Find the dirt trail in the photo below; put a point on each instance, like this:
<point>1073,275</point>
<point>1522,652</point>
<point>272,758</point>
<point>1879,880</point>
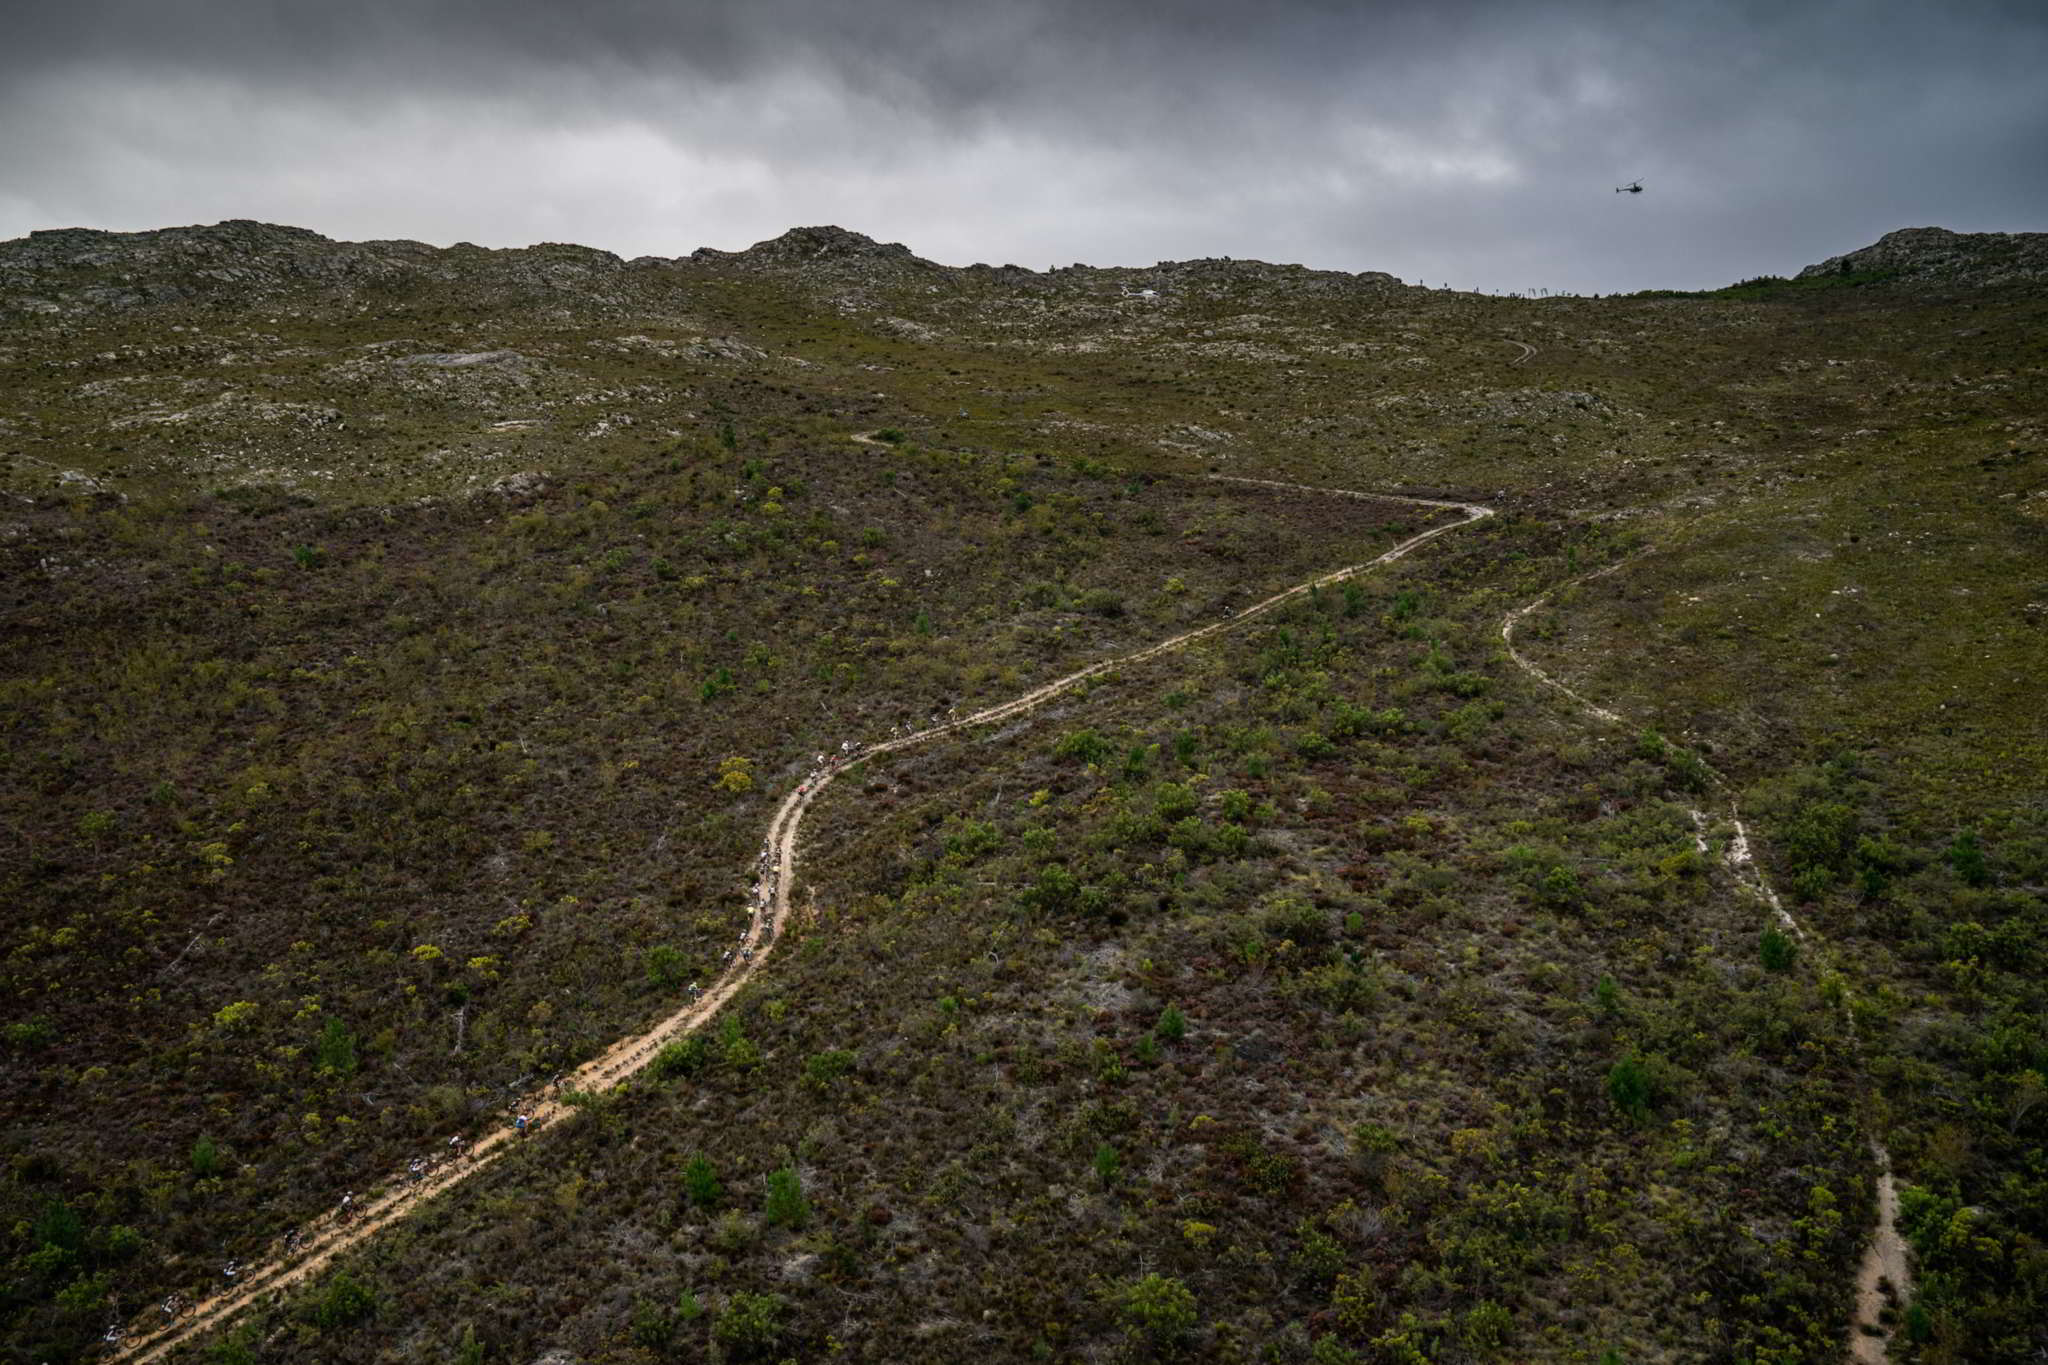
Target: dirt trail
<point>328,1237</point>
<point>1884,1265</point>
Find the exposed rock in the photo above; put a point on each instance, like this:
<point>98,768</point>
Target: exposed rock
<point>817,245</point>
<point>1932,253</point>
<point>461,359</point>
<point>524,484</point>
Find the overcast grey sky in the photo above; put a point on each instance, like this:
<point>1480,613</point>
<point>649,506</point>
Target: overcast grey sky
<point>1462,141</point>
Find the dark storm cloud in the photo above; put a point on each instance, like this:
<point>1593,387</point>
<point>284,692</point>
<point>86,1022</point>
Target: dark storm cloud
<point>1471,142</point>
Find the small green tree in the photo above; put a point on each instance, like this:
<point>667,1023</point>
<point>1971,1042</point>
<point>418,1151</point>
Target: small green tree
<point>334,1054</point>
<point>1629,1086</point>
<point>1108,1164</point>
<point>1173,1025</point>
<point>786,1204</point>
<point>471,1350</point>
<point>700,1183</point>
<point>1966,856</point>
<point>207,1160</point>
<point>1777,950</point>
<point>1607,995</point>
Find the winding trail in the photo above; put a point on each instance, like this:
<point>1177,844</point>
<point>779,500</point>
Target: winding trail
<point>1885,1266</point>
<point>328,1237</point>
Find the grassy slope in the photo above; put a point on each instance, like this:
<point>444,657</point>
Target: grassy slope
<point>1718,430</point>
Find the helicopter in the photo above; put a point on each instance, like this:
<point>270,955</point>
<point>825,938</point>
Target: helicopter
<point>1632,187</point>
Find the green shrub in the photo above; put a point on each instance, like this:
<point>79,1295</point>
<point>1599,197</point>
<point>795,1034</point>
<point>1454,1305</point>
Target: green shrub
<point>58,1225</point>
<point>653,1326</point>
<point>207,1160</point>
<point>1318,1257</point>
<point>1344,987</point>
<point>1055,890</point>
<point>743,1055</point>
<point>1291,917</point>
<point>1818,841</point>
<point>1777,950</point>
<point>24,1034</point>
<point>1354,1301</point>
<point>1173,800</point>
<point>1102,602</point>
<point>824,1068</point>
<point>1486,1326</point>
<point>750,1324</point>
<point>683,1057</point>
<point>1158,1308</point>
<point>1332,1351</point>
<point>1108,1164</point>
<point>1560,889</point>
<point>665,966</point>
<point>1085,745</point>
<point>1313,746</point>
<point>345,1302</point>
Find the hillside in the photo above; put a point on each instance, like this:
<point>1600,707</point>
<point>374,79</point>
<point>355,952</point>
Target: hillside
<point>410,649</point>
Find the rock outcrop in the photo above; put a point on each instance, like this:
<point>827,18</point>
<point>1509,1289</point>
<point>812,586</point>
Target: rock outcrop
<point>1938,255</point>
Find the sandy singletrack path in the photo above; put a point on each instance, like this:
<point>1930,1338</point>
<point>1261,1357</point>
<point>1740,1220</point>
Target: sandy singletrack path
<point>329,1237</point>
<point>1884,1261</point>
